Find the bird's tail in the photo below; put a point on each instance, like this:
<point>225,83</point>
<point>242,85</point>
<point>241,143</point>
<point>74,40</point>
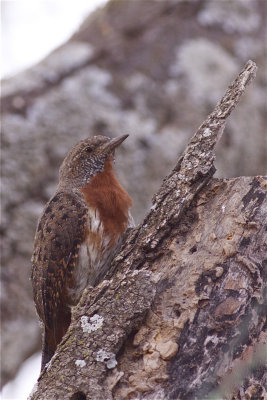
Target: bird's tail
<point>53,336</point>
<point>48,347</point>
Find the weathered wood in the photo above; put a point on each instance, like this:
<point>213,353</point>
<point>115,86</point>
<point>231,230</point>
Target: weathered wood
<point>193,170</point>
<point>208,311</point>
<point>153,69</point>
<point>188,280</point>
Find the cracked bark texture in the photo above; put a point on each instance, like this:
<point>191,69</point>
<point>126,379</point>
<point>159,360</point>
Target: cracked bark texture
<point>153,69</point>
<point>185,301</point>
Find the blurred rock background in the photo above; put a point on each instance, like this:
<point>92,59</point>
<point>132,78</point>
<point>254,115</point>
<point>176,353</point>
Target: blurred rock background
<point>153,69</point>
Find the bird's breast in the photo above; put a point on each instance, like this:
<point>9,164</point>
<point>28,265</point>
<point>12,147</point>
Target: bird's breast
<point>108,218</point>
<point>95,254</point>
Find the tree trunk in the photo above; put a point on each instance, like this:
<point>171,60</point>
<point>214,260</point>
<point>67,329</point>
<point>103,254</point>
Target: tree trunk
<point>182,313</point>
<point>153,69</point>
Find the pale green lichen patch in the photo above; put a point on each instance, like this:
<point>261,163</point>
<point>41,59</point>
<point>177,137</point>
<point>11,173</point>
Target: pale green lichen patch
<point>80,363</point>
<point>91,324</point>
<point>107,357</point>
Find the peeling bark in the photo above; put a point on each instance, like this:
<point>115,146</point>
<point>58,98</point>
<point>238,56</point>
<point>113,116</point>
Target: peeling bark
<point>209,301</point>
<point>183,302</point>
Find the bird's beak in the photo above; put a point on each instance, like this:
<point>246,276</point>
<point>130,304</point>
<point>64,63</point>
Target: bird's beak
<point>113,143</point>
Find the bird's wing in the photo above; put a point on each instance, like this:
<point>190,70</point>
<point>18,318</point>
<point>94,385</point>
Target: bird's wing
<point>60,231</point>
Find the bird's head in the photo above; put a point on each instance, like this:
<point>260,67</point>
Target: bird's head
<point>87,158</point>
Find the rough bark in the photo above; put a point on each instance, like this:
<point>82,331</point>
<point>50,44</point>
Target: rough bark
<point>151,69</point>
<point>184,302</point>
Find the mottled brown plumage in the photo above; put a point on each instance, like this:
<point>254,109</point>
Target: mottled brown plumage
<point>77,235</point>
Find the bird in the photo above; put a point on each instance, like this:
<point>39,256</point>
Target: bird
<point>78,233</point>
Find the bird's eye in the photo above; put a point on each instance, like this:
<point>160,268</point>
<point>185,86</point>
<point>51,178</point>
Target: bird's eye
<point>89,149</point>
